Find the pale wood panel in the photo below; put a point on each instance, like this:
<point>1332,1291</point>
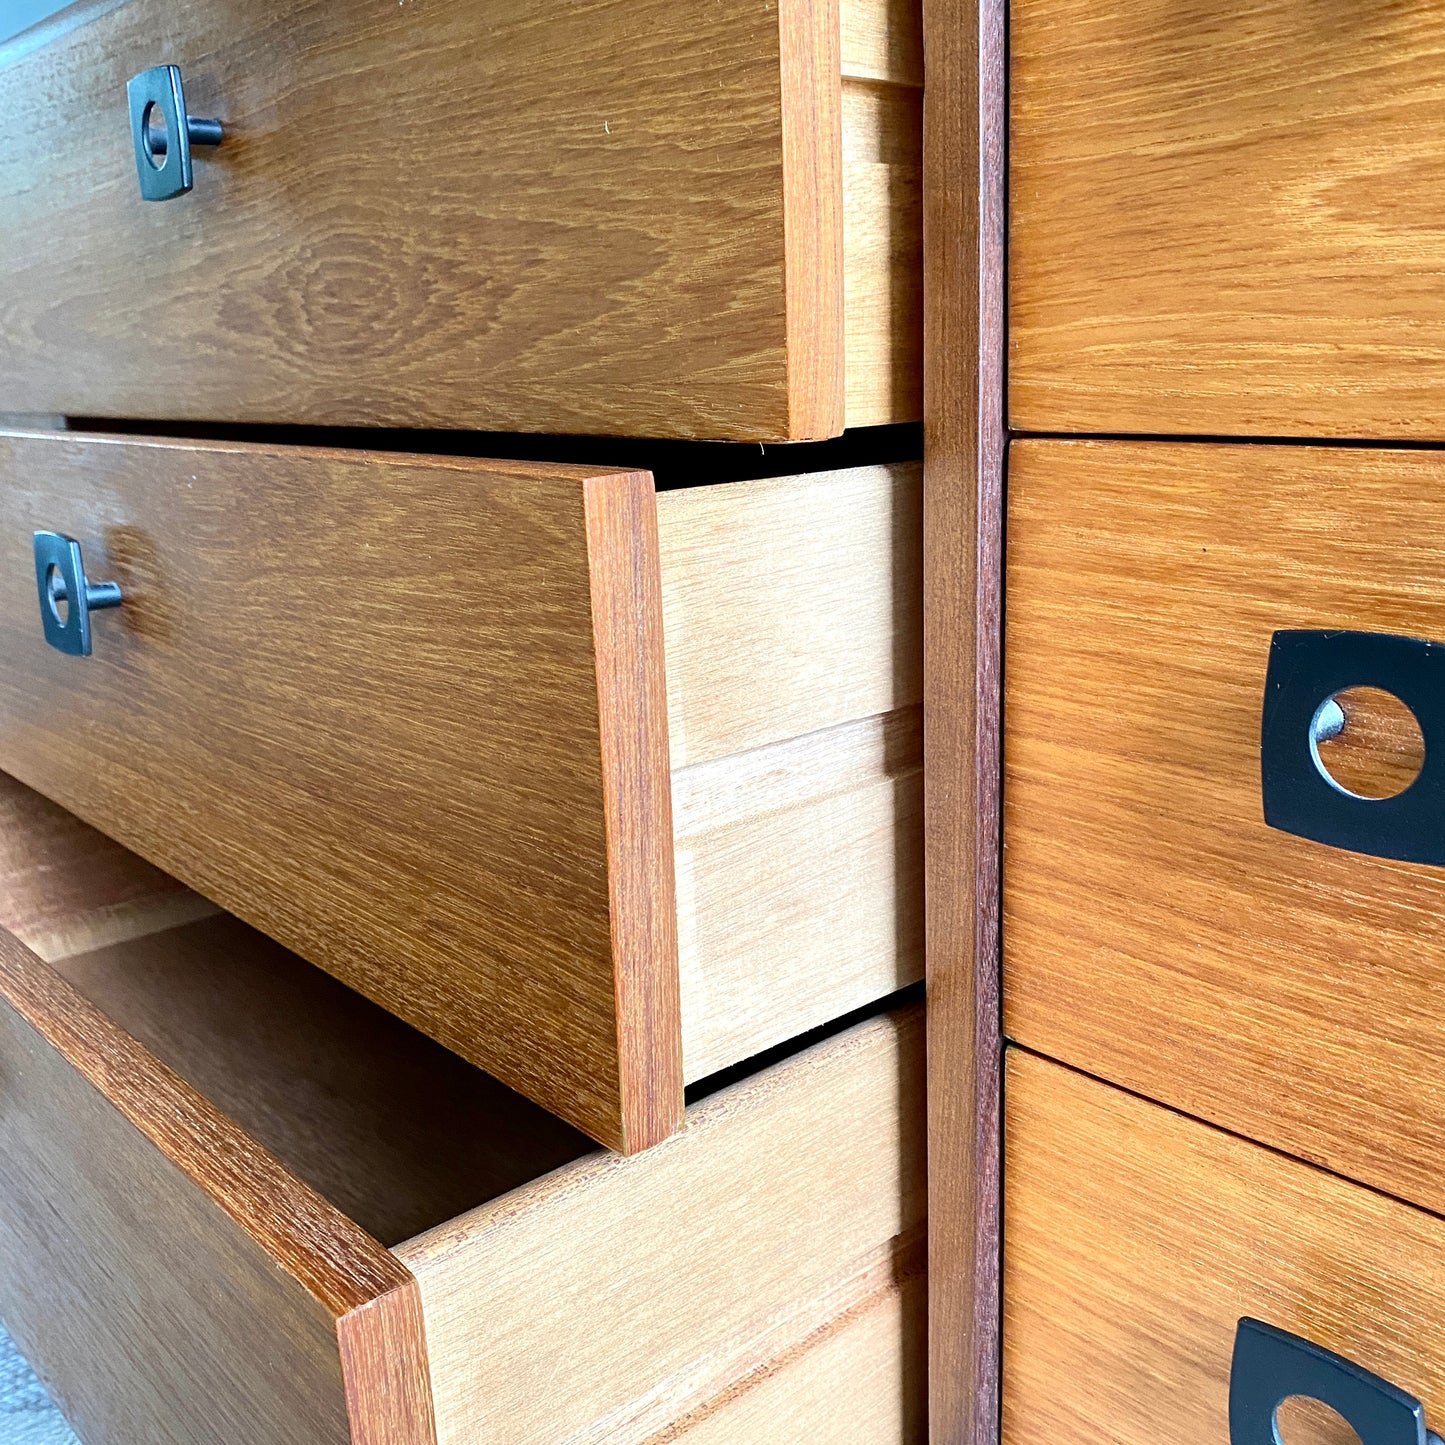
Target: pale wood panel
<point>64,888</point>
<point>882,40</point>
<point>883,252</point>
<point>1156,931</point>
<point>1225,219</point>
<point>418,218</point>
<point>413,729</point>
<point>743,786</point>
<point>1136,1239</point>
<point>863,1381</point>
<point>810,904</point>
<point>167,1277</point>
<point>789,604</point>
<point>758,1218</point>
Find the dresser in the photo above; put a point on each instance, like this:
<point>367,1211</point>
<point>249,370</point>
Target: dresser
<point>1211,1209</point>
<point>461,737</point>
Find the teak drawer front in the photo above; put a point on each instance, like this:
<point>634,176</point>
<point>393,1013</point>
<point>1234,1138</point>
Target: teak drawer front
<point>1136,1239</point>
<point>624,216</point>
<point>240,1202</point>
<point>410,716</point>
<point>1225,221</point>
<point>1156,931</point>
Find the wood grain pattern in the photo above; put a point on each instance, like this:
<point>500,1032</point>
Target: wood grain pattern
<point>65,889</point>
<point>864,1379</point>
<point>1224,221</point>
<point>779,1276</point>
<point>1379,751</point>
<point>421,216</point>
<point>200,1291</point>
<point>789,604</point>
<point>392,1129</point>
<point>812,124</point>
<point>801,1178</point>
<point>882,252</point>
<point>882,40</point>
<point>631,697</point>
<point>964,442</point>
<point>512,888</point>
<point>1137,1239</point>
<point>799,886</point>
<point>1157,933</point>
<point>377,732</point>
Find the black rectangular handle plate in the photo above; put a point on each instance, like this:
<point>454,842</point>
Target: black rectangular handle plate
<point>1306,668</point>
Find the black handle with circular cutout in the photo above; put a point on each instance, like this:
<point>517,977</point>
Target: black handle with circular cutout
<point>1306,670</point>
<point>163,133</point>
<point>60,578</point>
<point>1270,1365</point>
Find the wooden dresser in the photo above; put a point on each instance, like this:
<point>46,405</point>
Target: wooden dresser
<point>1223,718</point>
<point>461,858</point>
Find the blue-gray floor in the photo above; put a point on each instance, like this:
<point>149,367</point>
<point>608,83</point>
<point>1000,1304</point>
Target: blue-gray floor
<point>26,1416</point>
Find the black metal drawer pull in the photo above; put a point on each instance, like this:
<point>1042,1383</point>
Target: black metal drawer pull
<point>163,133</point>
<point>1306,670</point>
<point>60,578</point>
<point>1270,1365</point>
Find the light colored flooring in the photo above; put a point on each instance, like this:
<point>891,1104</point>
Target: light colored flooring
<point>26,1416</point>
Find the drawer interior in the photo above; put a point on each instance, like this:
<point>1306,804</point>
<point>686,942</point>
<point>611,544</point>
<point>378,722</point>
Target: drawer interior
<point>391,1128</point>
<point>785,1221</point>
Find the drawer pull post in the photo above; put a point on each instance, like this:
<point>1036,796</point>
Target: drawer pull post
<point>1270,1365</point>
<point>1307,669</point>
<point>163,133</point>
<point>60,577</point>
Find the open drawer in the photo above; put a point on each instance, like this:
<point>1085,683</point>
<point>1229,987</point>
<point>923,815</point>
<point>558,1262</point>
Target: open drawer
<point>632,217</point>
<point>240,1202</point>
<point>603,789</point>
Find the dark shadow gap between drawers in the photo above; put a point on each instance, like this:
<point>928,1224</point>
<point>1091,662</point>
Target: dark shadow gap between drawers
<point>673,464</point>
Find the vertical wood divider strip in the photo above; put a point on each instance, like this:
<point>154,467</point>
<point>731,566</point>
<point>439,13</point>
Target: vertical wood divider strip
<point>812,112</point>
<point>626,585</point>
<point>964,452</point>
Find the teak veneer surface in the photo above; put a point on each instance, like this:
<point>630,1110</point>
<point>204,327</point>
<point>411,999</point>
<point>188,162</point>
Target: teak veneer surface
<point>623,216</point>
<point>1224,219</point>
<point>1137,1238</point>
<point>1156,932</point>
<point>406,715</point>
<point>765,1264</point>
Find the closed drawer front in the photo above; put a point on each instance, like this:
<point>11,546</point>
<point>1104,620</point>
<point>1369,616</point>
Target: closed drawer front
<point>240,1202</point>
<point>1223,221</point>
<point>1137,1240</point>
<point>563,773</point>
<point>1281,980</point>
<point>445,216</point>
